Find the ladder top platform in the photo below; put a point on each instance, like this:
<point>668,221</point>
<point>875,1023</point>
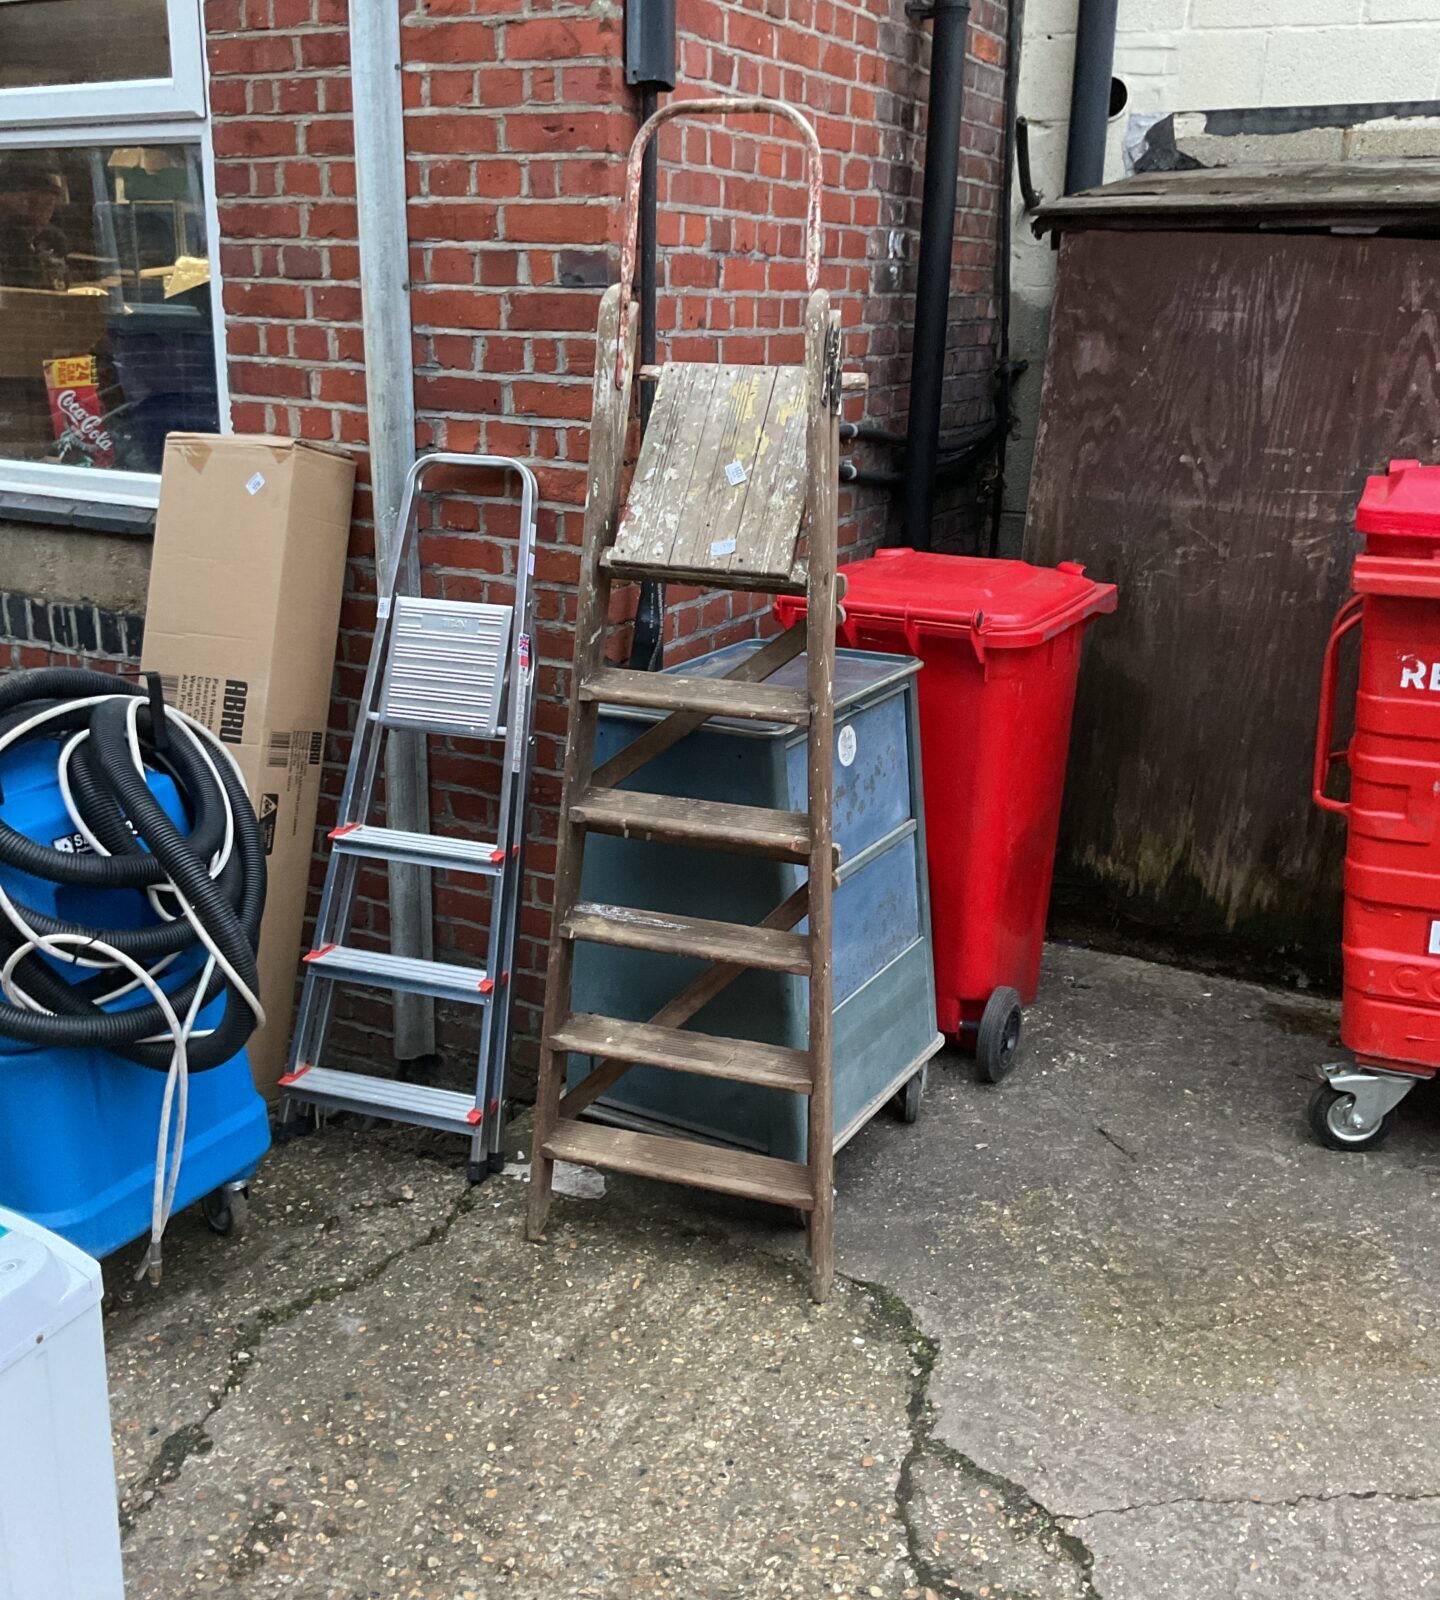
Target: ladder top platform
<point>719,491</point>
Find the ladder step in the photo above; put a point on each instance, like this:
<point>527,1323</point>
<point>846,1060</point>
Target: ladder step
<point>416,1103</point>
<point>442,979</point>
<point>709,824</point>
<point>705,1166</point>
<point>446,668</point>
<point>766,948</point>
<point>418,849</point>
<point>772,1066</point>
<point>717,697</point>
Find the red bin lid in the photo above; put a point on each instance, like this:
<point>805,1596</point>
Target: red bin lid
<point>1405,501</point>
<point>1017,604</point>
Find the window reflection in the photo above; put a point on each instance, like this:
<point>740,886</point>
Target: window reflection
<point>105,320</point>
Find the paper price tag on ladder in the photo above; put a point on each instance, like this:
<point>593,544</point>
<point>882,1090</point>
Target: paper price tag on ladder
<point>734,474</point>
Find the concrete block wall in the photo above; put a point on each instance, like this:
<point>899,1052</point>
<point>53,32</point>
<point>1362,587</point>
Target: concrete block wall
<point>1200,55</point>
<point>517,124</point>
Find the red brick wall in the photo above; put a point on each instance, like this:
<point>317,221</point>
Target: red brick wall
<point>517,122</point>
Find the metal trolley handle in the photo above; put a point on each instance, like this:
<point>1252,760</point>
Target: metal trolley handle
<point>1347,618</point>
<point>723,106</point>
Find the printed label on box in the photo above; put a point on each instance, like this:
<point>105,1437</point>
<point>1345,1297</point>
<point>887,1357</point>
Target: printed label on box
<point>254,484</point>
<point>847,745</point>
<point>269,810</point>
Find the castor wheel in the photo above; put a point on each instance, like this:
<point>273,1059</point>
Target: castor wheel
<point>997,1041</point>
<point>226,1210</point>
<point>1333,1121</point>
<point>907,1100</point>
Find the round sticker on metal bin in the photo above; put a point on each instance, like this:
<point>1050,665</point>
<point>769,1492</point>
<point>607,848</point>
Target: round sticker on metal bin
<point>847,745</point>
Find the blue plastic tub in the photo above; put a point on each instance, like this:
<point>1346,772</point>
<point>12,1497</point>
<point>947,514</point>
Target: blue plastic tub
<point>78,1128</point>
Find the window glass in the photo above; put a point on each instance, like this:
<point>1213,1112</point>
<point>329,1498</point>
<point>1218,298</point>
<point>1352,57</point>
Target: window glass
<point>105,316</point>
<point>50,43</point>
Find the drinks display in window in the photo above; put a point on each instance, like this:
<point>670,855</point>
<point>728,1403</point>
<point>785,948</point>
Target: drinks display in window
<point>106,340</point>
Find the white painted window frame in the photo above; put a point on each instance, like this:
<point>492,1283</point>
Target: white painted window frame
<point>170,110</point>
<point>182,94</point>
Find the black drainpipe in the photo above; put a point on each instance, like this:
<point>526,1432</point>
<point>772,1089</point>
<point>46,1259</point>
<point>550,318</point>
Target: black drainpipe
<point>1090,94</point>
<point>1005,369</point>
<point>649,66</point>
<point>932,283</point>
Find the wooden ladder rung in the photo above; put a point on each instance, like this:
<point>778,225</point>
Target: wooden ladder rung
<point>716,697</point>
<point>707,824</point>
<point>704,1166</point>
<point>771,1066</point>
<point>796,581</point>
<point>768,949</point>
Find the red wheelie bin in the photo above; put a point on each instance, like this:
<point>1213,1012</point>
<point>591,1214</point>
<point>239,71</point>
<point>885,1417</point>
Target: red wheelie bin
<point>1000,642</point>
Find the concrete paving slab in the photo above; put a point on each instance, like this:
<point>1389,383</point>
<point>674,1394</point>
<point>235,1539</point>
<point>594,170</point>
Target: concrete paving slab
<point>449,1411</point>
<point>1113,1329</point>
<point>1150,1289</point>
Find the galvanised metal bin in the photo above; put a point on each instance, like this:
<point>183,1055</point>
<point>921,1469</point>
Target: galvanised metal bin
<point>883,984</point>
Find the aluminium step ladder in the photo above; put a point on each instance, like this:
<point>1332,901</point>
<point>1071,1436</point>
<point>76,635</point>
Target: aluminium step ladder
<point>461,670</point>
<point>737,468</point>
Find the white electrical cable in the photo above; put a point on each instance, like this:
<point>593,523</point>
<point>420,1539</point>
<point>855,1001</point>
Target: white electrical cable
<point>66,947</point>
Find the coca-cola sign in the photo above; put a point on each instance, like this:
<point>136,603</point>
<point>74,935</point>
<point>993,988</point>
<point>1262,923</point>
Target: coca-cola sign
<point>78,413</point>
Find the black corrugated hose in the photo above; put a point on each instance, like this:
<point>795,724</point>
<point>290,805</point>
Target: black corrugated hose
<point>147,851</point>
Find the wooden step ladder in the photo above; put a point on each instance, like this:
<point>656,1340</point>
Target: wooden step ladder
<point>738,469</point>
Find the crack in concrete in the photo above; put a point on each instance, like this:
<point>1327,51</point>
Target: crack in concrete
<point>1018,1502</point>
<point>1249,1500</point>
<point>193,1439</point>
<point>1110,1138</point>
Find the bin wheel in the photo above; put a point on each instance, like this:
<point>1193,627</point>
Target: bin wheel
<point>907,1100</point>
<point>226,1210</point>
<point>997,1042</point>
<point>1330,1122</point>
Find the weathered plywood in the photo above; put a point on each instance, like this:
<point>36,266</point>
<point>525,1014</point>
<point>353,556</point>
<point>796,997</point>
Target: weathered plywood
<point>1212,405</point>
<point>719,489</point>
<point>1384,194</point>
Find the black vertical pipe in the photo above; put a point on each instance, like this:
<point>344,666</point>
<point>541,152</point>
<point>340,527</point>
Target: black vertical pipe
<point>647,642</point>
<point>1004,374</point>
<point>1090,94</point>
<point>932,284</point>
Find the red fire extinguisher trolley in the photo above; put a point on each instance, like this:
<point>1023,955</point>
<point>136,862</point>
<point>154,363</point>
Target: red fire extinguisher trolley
<point>1390,1018</point>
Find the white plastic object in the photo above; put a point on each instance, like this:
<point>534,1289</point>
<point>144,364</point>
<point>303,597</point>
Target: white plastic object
<point>59,1521</point>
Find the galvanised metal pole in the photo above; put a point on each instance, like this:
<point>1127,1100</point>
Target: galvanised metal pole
<point>932,281</point>
<point>390,402</point>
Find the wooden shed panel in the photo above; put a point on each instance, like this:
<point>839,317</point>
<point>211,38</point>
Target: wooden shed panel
<point>1212,406</point>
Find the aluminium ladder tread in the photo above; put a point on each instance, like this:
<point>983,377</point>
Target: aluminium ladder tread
<point>717,697</point>
<point>768,949</point>
<point>422,1104</point>
<point>419,849</point>
<point>445,980</point>
<point>704,1166</point>
<point>708,1055</point>
<point>708,824</point>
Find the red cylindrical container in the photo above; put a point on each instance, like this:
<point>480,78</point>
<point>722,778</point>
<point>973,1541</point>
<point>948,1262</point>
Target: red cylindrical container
<point>1391,1006</point>
<point>1000,642</point>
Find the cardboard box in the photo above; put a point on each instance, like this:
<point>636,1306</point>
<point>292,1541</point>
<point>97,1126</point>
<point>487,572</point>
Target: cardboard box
<point>244,609</point>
